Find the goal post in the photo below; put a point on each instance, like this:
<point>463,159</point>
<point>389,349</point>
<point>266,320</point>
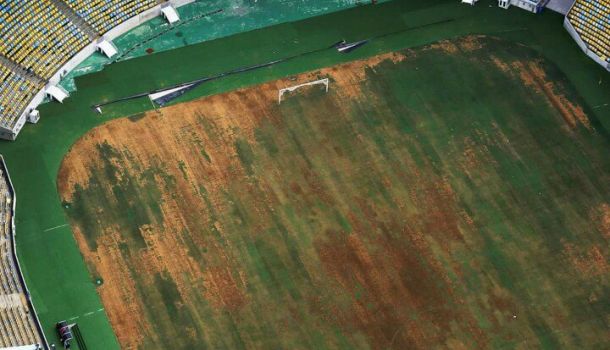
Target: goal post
<point>281,92</point>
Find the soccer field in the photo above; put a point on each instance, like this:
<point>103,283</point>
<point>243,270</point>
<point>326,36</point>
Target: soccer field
<point>62,287</point>
<point>411,205</point>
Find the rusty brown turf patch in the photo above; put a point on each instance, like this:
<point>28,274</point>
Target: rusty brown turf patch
<point>411,206</point>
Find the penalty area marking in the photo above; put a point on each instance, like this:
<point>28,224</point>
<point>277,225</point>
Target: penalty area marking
<point>292,88</point>
<point>55,228</point>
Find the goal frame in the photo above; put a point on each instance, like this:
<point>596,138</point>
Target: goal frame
<point>281,92</point>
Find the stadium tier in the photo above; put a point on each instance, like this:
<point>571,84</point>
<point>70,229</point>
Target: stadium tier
<point>18,326</point>
<point>591,21</point>
<point>37,36</point>
<point>40,40</point>
<point>15,93</point>
<point>104,15</point>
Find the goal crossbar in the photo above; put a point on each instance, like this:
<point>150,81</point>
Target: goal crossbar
<point>281,92</point>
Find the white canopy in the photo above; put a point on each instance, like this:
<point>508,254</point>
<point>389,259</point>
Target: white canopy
<point>170,14</point>
<point>163,93</point>
<point>57,93</point>
<point>107,48</point>
<point>33,116</point>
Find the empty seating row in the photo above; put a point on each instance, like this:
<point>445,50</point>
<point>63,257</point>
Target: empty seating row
<point>37,36</point>
<point>17,325</point>
<point>15,93</point>
<point>40,36</point>
<point>104,15</point>
<point>591,19</point>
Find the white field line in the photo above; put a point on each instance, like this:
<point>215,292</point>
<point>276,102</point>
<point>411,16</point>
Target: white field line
<point>86,314</point>
<point>54,228</point>
<point>93,312</point>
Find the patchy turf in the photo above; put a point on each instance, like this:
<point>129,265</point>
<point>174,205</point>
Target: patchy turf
<point>414,205</point>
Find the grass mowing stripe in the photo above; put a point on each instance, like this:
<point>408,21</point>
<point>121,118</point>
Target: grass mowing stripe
<point>42,147</point>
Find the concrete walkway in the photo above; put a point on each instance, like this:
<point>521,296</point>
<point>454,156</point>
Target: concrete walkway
<point>561,6</point>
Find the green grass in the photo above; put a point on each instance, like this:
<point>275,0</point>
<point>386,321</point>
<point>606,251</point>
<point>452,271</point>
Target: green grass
<point>58,279</point>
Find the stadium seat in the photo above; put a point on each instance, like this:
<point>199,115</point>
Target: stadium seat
<point>37,36</point>
<point>15,94</point>
<point>104,15</point>
<point>40,38</point>
<point>591,20</point>
<point>17,327</point>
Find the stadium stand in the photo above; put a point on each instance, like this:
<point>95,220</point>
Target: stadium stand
<point>104,15</point>
<point>18,325</point>
<point>15,93</point>
<point>37,36</point>
<point>590,19</point>
<point>41,40</point>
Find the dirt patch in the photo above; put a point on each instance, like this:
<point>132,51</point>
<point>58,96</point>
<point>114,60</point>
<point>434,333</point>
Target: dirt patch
<point>533,75</point>
<point>118,292</point>
<point>602,216</point>
<point>446,46</point>
<point>591,262</point>
<point>472,42</point>
<point>223,290</point>
<point>504,67</point>
<point>464,44</point>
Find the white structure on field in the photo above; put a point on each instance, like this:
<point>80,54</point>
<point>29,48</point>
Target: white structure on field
<point>56,93</point>
<point>170,14</point>
<point>281,92</point>
<point>534,6</point>
<point>107,48</point>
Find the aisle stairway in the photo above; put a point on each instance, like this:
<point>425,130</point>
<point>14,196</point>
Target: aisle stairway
<point>17,69</point>
<point>76,19</point>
